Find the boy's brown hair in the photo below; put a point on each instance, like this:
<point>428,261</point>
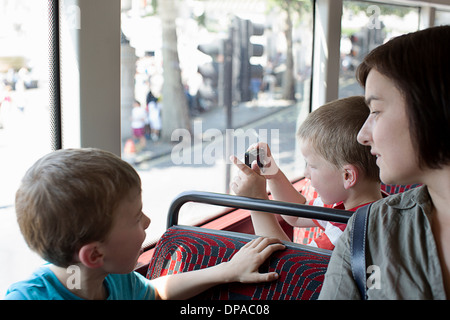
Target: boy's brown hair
<point>332,130</point>
<point>67,199</point>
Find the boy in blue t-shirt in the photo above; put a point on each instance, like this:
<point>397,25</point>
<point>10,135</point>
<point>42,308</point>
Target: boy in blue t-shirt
<point>81,210</point>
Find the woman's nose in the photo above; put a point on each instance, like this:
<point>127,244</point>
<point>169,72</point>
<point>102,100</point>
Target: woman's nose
<point>365,134</point>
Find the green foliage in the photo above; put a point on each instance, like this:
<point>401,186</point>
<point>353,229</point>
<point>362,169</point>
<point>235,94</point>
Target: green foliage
<point>291,5</point>
<point>385,9</point>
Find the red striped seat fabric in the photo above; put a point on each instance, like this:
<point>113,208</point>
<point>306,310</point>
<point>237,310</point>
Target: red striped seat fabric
<point>301,268</point>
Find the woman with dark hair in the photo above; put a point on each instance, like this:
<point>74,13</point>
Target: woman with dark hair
<point>407,90</point>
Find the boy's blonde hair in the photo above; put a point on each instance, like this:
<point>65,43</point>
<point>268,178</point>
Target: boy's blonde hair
<point>332,130</point>
<point>67,199</point>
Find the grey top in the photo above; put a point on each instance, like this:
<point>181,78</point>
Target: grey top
<point>401,249</point>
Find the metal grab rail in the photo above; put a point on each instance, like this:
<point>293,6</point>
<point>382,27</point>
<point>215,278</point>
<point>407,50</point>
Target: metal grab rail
<point>272,206</point>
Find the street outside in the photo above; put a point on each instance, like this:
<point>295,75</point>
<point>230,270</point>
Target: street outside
<point>23,139</point>
<point>161,179</point>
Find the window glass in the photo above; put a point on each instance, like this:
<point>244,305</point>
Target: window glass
<point>442,18</point>
<point>365,26</point>
<point>262,105</point>
<point>24,120</point>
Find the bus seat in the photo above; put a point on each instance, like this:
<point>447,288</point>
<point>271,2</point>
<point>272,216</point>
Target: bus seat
<point>301,268</point>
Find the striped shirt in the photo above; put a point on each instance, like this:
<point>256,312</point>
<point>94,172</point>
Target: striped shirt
<point>327,233</point>
<point>331,230</point>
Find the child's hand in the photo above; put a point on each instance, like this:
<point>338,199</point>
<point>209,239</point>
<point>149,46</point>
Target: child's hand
<point>243,267</point>
<point>270,168</point>
<point>248,182</point>
<point>251,182</point>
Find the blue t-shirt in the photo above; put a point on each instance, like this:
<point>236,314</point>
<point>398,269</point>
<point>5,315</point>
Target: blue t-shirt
<point>44,285</point>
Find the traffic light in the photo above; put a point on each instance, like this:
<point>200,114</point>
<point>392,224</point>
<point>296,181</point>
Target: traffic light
<point>255,50</point>
<point>208,91</point>
<point>243,50</point>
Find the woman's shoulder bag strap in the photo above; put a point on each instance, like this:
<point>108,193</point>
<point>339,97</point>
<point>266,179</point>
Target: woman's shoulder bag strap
<point>358,252</point>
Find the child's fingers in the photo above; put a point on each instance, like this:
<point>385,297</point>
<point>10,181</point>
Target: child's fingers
<point>255,167</point>
<point>260,145</point>
<point>260,249</point>
<point>242,166</point>
<point>270,249</point>
<point>267,246</point>
<point>254,243</point>
<point>269,166</point>
<point>264,146</point>
<point>263,277</point>
<point>261,243</point>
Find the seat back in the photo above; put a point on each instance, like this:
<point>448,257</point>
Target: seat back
<point>301,268</point>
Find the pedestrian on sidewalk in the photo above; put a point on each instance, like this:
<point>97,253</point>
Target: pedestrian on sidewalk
<point>138,119</point>
<point>154,115</point>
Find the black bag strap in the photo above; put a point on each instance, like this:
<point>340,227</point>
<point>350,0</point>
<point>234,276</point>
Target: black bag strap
<point>358,252</point>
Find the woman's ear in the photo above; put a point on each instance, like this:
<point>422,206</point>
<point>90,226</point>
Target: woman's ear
<point>90,255</point>
<point>350,175</point>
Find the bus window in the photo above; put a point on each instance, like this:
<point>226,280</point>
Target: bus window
<point>442,18</point>
<point>24,120</point>
<point>364,26</point>
<point>266,102</point>
<point>168,168</point>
